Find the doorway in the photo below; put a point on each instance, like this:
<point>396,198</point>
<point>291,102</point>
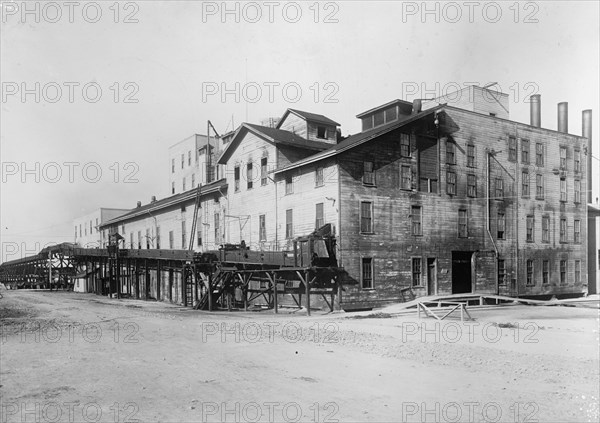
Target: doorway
<point>431,276</point>
<point>461,272</point>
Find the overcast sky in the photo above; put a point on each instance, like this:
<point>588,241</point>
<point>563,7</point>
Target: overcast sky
<point>161,68</point>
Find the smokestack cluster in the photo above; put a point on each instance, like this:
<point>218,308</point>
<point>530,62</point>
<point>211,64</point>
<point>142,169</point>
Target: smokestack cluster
<point>535,105</point>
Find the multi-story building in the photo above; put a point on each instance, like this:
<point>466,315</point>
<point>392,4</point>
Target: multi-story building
<point>440,201</point>
<point>87,227</point>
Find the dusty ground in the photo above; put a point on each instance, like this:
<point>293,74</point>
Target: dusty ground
<point>83,358</point>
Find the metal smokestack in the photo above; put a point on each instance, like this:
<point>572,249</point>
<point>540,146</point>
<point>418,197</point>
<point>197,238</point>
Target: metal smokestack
<point>535,110</point>
<point>586,131</point>
<point>563,117</point>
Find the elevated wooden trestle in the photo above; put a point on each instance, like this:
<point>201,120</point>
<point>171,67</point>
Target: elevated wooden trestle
<point>216,280</point>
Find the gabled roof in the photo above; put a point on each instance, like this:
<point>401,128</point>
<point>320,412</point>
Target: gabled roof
<point>167,202</point>
<point>312,117</point>
<point>272,135</point>
<point>358,139</point>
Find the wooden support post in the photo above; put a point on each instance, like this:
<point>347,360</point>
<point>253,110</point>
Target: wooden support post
<point>146,280</point>
<point>183,285</point>
<point>307,283</point>
<point>210,294</point>
<point>158,279</point>
<point>171,285</point>
<point>195,296</point>
<point>274,280</point>
<point>137,279</point>
<point>110,278</point>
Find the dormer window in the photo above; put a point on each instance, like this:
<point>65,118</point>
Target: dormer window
<point>322,132</point>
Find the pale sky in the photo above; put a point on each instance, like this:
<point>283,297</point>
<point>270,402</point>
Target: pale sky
<point>172,57</point>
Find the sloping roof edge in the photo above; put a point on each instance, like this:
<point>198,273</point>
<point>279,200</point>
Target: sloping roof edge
<point>358,139</point>
<point>167,202</point>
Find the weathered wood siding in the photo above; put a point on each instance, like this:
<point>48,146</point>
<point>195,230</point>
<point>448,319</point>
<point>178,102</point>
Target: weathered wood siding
<point>392,244</point>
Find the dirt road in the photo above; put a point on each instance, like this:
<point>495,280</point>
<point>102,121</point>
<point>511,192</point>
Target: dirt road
<point>84,358</point>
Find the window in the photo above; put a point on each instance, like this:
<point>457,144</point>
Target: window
<point>183,184</point>
<point>199,238</point>
<point>366,217</point>
<point>529,231</point>
<point>92,226</point>
<point>148,238</point>
<point>319,218</point>
<point>524,151</point>
<point>172,187</point>
<point>471,185</point>
<point>85,230</point>
<point>193,180</point>
<point>249,175</point>
<point>563,189</point>
<point>368,173</point>
<point>499,188</point>
<point>263,171</point>
<point>577,161</point>
<point>530,272</point>
<point>563,272</point>
<point>470,156</point>
<point>189,158</point>
<point>462,224</point>
<point>545,229</point>
<point>319,177</point>
<point>378,118</point>
<point>171,239</point>
<point>539,186</point>
<point>131,245</point>
<point>158,237</point>
<point>75,231</point>
<point>97,230</point>
<point>322,132</point>
<point>450,153</point>
<point>512,149</point>
<point>289,223</point>
<point>545,272</point>
<point>577,271</point>
<point>539,154</point>
<point>289,185</point>
<point>405,145</point>
<point>416,271</point>
<point>405,177</point>
<point>236,179</point>
<point>451,183</point>
<point>172,165</point>
<point>428,185</point>
<point>262,228</point>
<point>563,157</point>
<point>577,231</point>
<point>501,225</point>
<point>501,272</point>
<point>416,221</point>
<point>577,191</point>
<point>563,230</point>
<point>139,239</point>
<point>183,235</point>
<point>391,114</point>
<point>367,273</point>
<point>525,184</point>
<point>182,160</point>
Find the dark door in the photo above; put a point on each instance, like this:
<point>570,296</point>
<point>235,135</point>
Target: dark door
<point>461,271</point>
<point>431,274</point>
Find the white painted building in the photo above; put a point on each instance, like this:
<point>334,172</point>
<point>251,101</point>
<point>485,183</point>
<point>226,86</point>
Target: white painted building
<point>87,228</point>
